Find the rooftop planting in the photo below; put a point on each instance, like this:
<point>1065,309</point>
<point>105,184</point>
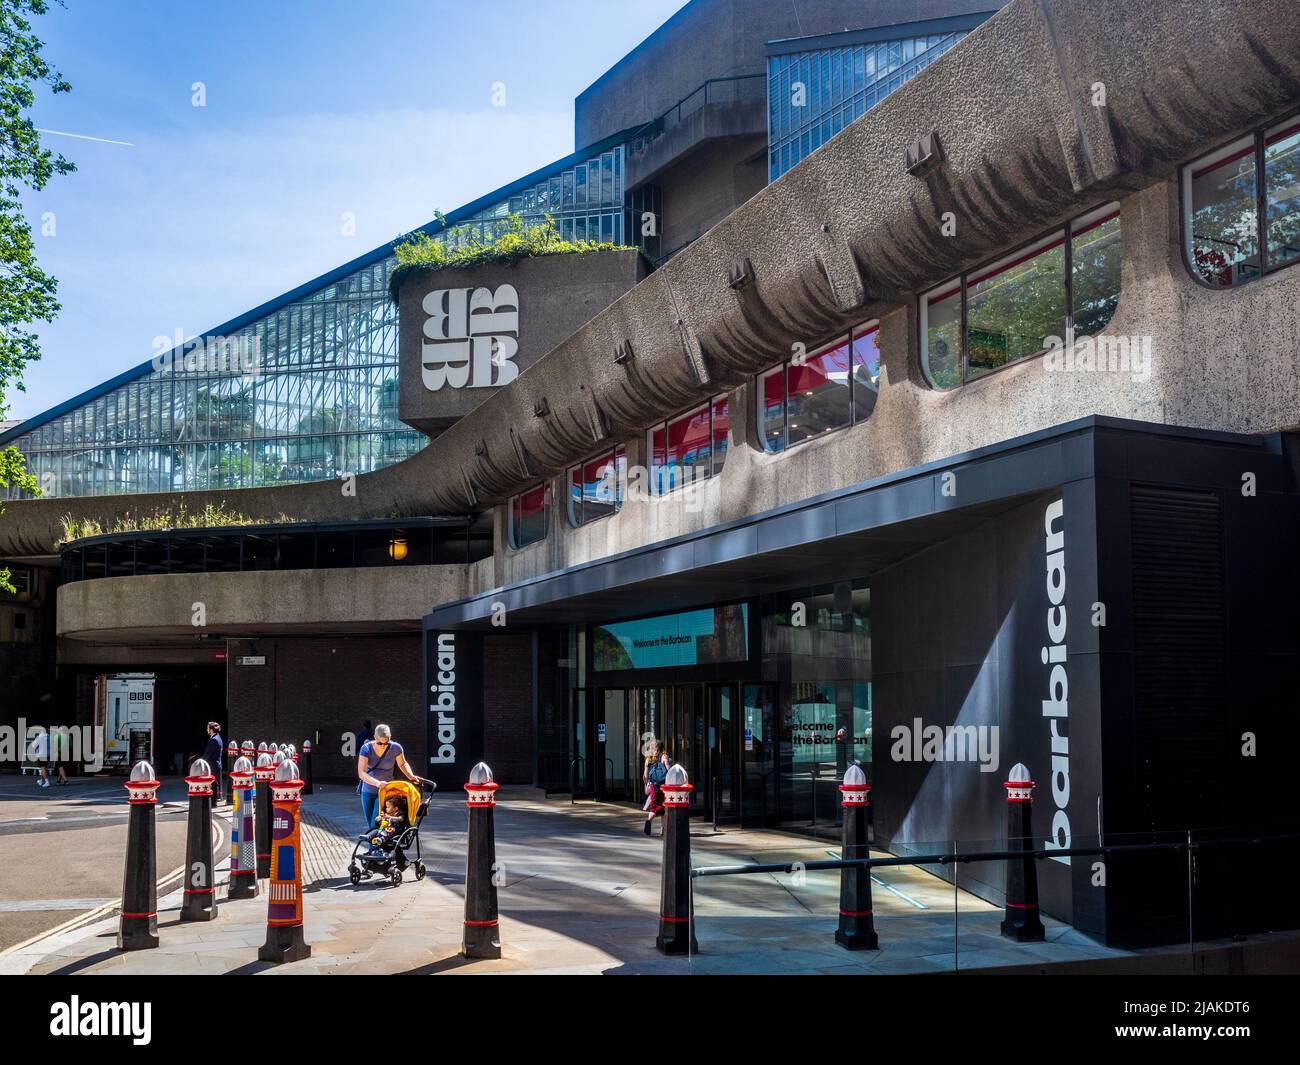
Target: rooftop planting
<point>463,247</point>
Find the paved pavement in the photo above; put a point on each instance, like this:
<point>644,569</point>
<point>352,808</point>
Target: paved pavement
<point>581,895</point>
<point>61,849</point>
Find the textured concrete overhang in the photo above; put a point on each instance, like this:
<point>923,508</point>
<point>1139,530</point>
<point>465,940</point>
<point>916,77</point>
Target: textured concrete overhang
<point>851,532</point>
<point>846,234</point>
<point>262,603</point>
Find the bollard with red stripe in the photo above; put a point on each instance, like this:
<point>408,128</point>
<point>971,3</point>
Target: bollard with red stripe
<point>243,846</point>
<point>232,756</point>
<point>304,767</point>
<point>482,936</point>
<point>856,930</point>
<point>1023,922</point>
<point>676,916</point>
<point>200,892</point>
<point>138,927</point>
<point>284,940</point>
<point>264,772</point>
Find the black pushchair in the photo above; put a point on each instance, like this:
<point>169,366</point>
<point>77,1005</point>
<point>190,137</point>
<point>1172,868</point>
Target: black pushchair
<point>390,860</point>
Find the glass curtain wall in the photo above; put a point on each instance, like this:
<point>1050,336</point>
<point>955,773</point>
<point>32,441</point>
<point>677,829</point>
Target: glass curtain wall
<point>813,95</point>
<point>586,202</point>
<point>306,393</point>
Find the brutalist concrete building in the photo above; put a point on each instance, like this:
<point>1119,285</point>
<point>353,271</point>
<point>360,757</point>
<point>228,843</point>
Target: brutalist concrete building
<point>937,415</point>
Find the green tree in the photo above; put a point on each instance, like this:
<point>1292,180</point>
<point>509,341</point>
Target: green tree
<point>26,291</point>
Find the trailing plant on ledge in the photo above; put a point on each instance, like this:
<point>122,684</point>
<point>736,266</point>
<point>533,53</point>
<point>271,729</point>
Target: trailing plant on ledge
<point>464,247</point>
<point>209,516</point>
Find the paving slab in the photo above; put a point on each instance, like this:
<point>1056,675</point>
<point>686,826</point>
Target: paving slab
<point>581,895</point>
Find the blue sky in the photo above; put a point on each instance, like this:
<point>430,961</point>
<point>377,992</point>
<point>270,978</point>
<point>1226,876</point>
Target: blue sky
<point>313,109</point>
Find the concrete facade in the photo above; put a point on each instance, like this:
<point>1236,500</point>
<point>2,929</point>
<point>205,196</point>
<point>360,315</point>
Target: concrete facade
<point>849,235</point>
<point>556,294</point>
<point>846,237</point>
<point>722,38</point>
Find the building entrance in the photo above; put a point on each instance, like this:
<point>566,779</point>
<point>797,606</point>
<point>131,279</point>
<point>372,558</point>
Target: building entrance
<point>722,732</point>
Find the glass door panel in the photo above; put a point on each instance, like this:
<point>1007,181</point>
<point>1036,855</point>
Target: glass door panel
<point>757,742</point>
<point>581,778</point>
<point>612,747</point>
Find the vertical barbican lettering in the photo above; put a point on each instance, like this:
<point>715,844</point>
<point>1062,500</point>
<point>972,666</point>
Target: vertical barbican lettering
<point>469,332</point>
<point>1056,706</point>
<point>443,702</point>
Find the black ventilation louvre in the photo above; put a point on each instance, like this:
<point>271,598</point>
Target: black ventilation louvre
<point>1178,655</point>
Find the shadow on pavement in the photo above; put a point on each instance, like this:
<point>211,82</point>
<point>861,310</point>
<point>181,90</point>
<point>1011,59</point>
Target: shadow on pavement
<point>86,963</point>
<point>446,965</point>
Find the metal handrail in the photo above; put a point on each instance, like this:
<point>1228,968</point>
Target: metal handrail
<point>573,778</point>
<point>959,857</point>
<point>657,123</point>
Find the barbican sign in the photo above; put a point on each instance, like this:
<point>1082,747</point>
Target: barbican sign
<point>453,676</point>
<point>471,336</point>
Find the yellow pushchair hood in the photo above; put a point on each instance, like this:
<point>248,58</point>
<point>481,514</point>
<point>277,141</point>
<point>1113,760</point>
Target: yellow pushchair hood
<point>401,789</point>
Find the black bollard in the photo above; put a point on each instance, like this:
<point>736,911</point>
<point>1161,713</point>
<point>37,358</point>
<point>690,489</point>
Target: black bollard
<point>1022,922</point>
<point>249,751</point>
<point>264,773</point>
<point>243,842</point>
<point>200,895</point>
<point>856,930</point>
<point>284,941</point>
<point>223,786</point>
<point>482,937</point>
<point>138,927</point>
<point>676,916</point>
<point>304,767</point>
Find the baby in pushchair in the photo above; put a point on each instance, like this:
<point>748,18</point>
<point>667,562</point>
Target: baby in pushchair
<point>388,826</point>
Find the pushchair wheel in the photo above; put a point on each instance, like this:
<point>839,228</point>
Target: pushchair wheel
<point>354,874</point>
<point>419,870</point>
<point>395,877</point>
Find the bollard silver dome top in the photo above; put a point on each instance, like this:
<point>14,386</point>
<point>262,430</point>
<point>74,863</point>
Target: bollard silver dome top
<point>306,746</point>
<point>264,760</point>
<point>200,768</point>
<point>242,765</point>
<point>142,770</point>
<point>277,758</point>
<point>854,777</point>
<point>480,774</point>
<point>286,770</point>
<point>676,776</point>
<point>261,747</point>
<point>1019,774</point>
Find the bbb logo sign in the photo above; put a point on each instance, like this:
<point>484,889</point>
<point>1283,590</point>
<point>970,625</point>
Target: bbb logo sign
<point>471,337</point>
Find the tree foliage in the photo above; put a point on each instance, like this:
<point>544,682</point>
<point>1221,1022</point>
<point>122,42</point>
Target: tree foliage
<point>27,293</point>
